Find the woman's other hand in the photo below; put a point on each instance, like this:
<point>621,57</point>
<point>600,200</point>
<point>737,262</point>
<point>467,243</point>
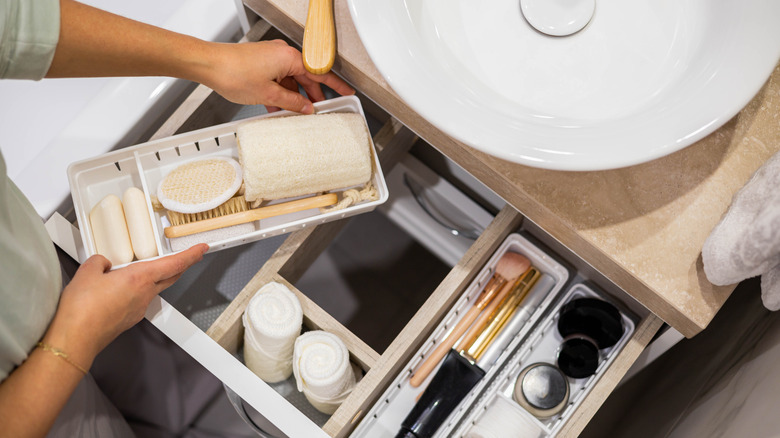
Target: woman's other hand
<point>99,304</point>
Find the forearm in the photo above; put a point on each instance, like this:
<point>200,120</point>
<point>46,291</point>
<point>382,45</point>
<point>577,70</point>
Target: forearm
<point>33,395</point>
<point>96,43</point>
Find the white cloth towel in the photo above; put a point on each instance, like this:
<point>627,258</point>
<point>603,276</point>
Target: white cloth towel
<point>322,370</point>
<point>746,242</point>
<point>272,321</point>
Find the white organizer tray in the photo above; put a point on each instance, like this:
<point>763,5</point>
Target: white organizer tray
<point>385,417</point>
<point>144,165</point>
<point>542,346</point>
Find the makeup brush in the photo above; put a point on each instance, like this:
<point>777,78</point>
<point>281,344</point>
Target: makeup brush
<point>501,315</point>
<point>523,313</point>
<point>485,317</point>
<point>508,268</point>
<point>457,375</point>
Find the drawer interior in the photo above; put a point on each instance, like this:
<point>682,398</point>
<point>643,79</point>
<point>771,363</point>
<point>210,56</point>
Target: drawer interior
<point>286,258</point>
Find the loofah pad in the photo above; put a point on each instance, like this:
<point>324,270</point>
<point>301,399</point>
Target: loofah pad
<point>200,185</point>
<point>298,155</point>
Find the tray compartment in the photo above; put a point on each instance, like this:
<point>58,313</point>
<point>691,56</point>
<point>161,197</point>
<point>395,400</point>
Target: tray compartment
<point>111,174</point>
<point>286,265</point>
<point>155,159</point>
<point>541,346</point>
<point>314,318</point>
<point>385,418</point>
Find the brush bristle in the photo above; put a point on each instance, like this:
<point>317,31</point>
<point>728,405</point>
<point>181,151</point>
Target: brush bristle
<point>512,265</point>
<point>236,204</point>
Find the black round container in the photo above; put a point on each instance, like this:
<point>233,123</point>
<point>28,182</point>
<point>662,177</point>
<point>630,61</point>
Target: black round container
<point>591,317</point>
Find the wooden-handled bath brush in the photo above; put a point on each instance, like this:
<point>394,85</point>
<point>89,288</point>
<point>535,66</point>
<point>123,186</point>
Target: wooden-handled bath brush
<point>236,212</point>
<point>199,196</point>
<point>319,37</point>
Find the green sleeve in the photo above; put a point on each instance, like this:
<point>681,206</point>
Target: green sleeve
<point>29,31</point>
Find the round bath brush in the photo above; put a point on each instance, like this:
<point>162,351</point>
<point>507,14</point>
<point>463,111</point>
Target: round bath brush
<point>200,185</point>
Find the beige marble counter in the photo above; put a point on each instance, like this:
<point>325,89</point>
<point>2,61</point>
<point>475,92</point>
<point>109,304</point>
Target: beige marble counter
<point>643,226</point>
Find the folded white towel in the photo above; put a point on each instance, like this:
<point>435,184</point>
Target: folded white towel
<point>322,370</point>
<point>272,321</point>
<point>746,242</point>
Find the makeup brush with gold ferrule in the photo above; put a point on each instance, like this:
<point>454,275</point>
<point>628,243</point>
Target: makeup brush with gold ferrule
<point>239,213</point>
<point>508,268</point>
<point>502,313</point>
<point>459,372</point>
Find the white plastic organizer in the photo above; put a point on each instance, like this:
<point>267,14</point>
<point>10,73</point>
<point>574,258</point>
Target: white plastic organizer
<point>144,165</point>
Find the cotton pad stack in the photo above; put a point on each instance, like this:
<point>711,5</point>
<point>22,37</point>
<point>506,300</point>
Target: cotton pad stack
<point>322,370</point>
<point>272,322</point>
<point>299,155</point>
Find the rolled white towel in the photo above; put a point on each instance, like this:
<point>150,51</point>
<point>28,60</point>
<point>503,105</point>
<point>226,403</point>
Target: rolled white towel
<point>746,242</point>
<point>322,370</point>
<point>272,322</point>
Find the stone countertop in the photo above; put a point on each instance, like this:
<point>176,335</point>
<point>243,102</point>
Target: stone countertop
<point>642,226</point>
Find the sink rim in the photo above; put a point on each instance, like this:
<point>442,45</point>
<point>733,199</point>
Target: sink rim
<point>411,74</point>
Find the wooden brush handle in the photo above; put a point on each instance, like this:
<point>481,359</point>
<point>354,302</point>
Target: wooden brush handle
<point>251,215</point>
<point>484,318</point>
<point>319,37</point>
<point>444,346</point>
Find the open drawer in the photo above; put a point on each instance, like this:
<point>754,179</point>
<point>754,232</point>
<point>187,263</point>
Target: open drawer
<point>291,260</point>
<point>218,348</point>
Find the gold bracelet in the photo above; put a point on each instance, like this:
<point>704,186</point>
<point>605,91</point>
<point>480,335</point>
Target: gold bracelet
<point>59,353</point>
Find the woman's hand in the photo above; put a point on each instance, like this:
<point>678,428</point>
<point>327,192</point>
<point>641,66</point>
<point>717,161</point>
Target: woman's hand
<point>94,308</point>
<point>99,304</point>
<point>95,43</point>
<point>268,73</point>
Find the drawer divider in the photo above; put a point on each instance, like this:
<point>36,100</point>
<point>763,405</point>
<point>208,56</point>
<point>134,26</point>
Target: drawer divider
<point>301,248</point>
<point>315,318</point>
<point>426,318</point>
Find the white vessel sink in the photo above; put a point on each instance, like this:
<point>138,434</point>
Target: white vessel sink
<point>642,79</point>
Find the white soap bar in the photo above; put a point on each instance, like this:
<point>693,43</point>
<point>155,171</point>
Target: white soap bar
<point>139,225</point>
<point>109,229</point>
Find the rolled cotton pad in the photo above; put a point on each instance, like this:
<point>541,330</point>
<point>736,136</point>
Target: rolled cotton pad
<point>139,224</point>
<point>272,322</point>
<point>200,185</point>
<point>298,155</point>
<point>322,370</point>
<point>504,419</point>
<point>109,231</point>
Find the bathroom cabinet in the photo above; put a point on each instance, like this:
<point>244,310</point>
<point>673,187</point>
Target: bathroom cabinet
<point>636,232</point>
